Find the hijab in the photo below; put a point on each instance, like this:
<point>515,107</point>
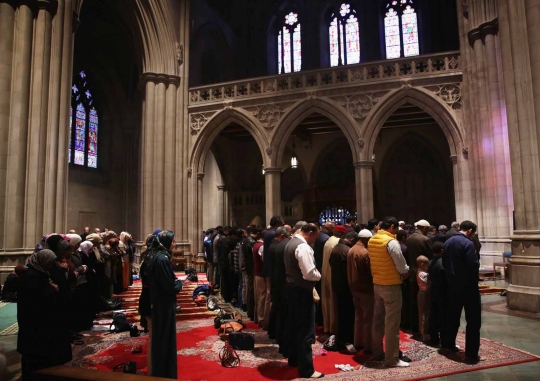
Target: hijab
<point>163,241</point>
<point>147,245</point>
<point>58,245</point>
<point>40,260</point>
<point>94,238</point>
<point>74,239</point>
<point>124,237</point>
<point>85,247</point>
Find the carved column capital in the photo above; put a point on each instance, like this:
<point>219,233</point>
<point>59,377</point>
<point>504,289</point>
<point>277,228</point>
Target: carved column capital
<point>364,164</point>
<point>159,78</point>
<point>200,176</point>
<point>221,188</point>
<point>485,29</point>
<point>272,170</point>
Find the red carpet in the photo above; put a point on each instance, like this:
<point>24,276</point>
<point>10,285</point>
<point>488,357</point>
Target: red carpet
<point>199,346</point>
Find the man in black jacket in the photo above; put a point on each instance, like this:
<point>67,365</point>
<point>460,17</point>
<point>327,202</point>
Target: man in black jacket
<point>461,267</point>
<point>246,266</point>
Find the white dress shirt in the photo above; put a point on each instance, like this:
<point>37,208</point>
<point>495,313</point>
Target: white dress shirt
<point>306,260</point>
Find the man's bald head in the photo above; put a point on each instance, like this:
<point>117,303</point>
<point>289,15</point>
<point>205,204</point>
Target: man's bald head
<point>329,227</point>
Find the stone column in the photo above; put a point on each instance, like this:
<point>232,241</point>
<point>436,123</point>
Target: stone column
<point>39,111</point>
<point>519,46</point>
<point>199,202</point>
<point>363,171</point>
<point>7,30</point>
<point>221,205</point>
<point>170,164</point>
<point>272,180</point>
<point>18,128</point>
<point>158,135</point>
<point>147,155</point>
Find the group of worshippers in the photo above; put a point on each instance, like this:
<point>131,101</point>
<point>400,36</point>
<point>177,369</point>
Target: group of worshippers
<point>364,278</point>
<point>157,303</point>
<point>64,283</point>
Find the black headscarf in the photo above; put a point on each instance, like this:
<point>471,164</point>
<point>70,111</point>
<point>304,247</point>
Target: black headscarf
<point>58,245</point>
<point>163,241</point>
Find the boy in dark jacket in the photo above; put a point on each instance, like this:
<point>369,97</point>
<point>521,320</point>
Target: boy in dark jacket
<point>438,295</point>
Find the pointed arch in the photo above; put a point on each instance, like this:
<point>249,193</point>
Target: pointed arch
<point>420,98</point>
<point>215,125</point>
<point>302,110</point>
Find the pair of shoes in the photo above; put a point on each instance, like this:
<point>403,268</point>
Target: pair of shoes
<point>472,359</point>
<point>403,357</point>
<point>317,375</point>
<point>178,309</point>
<point>398,364</point>
<point>445,350</point>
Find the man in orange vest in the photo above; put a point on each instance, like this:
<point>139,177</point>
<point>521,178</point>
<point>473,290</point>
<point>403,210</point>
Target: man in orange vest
<point>388,268</point>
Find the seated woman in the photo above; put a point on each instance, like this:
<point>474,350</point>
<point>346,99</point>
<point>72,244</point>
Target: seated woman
<point>11,285</point>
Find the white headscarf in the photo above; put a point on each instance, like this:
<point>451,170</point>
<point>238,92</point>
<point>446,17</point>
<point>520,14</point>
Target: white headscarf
<point>74,239</point>
<point>85,247</point>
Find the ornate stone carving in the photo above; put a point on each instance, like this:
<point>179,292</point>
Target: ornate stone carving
<point>269,115</point>
<point>179,53</point>
<point>450,94</point>
<point>465,4</point>
<point>361,144</point>
<point>227,105</point>
<point>197,122</point>
<point>358,105</point>
<point>269,86</point>
<point>189,171</point>
<point>311,94</point>
<point>465,151</point>
<point>268,151</point>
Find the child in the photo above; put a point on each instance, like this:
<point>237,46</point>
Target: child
<point>438,292</point>
<point>424,299</point>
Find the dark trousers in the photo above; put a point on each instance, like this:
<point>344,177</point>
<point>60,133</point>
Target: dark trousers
<point>318,307</point>
<point>345,305</point>
<point>240,284</point>
<point>250,302</point>
<point>301,324</point>
<point>437,315</point>
<point>413,303</point>
<point>464,296</point>
<point>33,363</point>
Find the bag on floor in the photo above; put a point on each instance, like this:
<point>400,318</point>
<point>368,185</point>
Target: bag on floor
<point>242,341</point>
<point>225,317</point>
<point>212,303</point>
<point>120,323</point>
<point>229,328</point>
<point>330,344</point>
<point>127,367</point>
<point>205,289</point>
<point>201,300</point>
<point>113,304</point>
<point>192,275</point>
<point>228,356</point>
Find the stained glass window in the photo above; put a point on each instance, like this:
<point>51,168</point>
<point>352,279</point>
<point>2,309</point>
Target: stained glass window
<point>290,45</point>
<point>391,30</point>
<point>401,30</point>
<point>83,125</point>
<point>410,32</point>
<point>345,43</point>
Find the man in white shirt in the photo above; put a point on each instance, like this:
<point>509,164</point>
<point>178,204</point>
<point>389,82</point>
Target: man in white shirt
<point>302,276</point>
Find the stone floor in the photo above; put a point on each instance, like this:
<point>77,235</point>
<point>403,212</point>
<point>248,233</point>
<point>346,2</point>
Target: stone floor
<point>518,332</point>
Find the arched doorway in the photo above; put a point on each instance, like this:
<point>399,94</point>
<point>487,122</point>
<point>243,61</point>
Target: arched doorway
<point>413,176</point>
<point>324,176</point>
<point>233,186</point>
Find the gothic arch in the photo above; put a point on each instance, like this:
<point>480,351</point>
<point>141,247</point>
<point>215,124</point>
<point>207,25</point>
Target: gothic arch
<point>215,125</point>
<point>421,98</point>
<point>302,110</point>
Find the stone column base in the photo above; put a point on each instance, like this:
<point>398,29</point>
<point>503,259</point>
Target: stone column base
<point>523,298</point>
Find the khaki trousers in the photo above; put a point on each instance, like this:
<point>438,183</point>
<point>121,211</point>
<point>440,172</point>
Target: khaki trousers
<point>260,299</point>
<point>386,319</point>
<point>363,319</point>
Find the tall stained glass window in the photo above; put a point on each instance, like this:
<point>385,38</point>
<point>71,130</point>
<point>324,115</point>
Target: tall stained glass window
<point>290,45</point>
<point>344,35</point>
<point>83,123</point>
<point>401,29</point>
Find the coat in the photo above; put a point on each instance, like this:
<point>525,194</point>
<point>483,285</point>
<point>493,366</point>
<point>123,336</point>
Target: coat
<point>329,302</point>
<point>338,265</point>
<point>359,269</point>
<point>417,245</point>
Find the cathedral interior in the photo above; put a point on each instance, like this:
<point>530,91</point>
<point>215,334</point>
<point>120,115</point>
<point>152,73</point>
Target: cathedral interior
<point>134,115</point>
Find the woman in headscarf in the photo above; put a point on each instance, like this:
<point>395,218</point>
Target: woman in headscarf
<point>41,339</point>
<point>109,263</point>
<point>85,291</point>
<point>74,241</point>
<point>115,259</point>
<point>102,287</point>
<point>145,306</point>
<point>126,263</point>
<point>163,289</point>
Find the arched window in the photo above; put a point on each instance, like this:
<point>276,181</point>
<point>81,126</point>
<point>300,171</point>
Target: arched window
<point>290,45</point>
<point>335,214</point>
<point>344,37</point>
<point>83,125</point>
<point>401,29</point>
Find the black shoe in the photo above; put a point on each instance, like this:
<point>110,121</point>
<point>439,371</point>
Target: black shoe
<point>404,358</point>
<point>472,359</point>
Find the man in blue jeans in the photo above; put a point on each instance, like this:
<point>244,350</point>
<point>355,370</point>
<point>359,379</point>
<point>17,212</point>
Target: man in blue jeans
<point>461,267</point>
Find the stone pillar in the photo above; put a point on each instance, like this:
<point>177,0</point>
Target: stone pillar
<point>158,149</point>
<point>39,111</point>
<point>363,171</point>
<point>18,128</point>
<point>199,202</point>
<point>222,205</point>
<point>519,46</point>
<point>272,181</point>
<point>7,30</point>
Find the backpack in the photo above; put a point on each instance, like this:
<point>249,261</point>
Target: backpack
<point>120,323</point>
<point>192,275</point>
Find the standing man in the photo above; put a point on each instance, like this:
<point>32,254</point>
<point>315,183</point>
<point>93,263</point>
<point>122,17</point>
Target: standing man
<point>247,267</point>
<point>373,226</point>
<point>461,266</point>
<point>275,222</point>
<point>86,233</point>
<point>215,237</point>
<point>388,268</point>
<point>340,288</point>
<point>350,224</point>
<point>361,284</point>
<point>453,230</point>
<point>302,275</point>
<point>441,234</point>
<point>328,300</point>
<point>417,244</point>
<point>259,281</point>
<point>282,233</point>
<point>326,232</point>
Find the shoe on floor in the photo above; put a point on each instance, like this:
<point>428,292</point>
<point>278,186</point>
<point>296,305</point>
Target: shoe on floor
<point>445,350</point>
<point>472,359</point>
<point>404,358</point>
<point>399,364</point>
<point>317,375</point>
